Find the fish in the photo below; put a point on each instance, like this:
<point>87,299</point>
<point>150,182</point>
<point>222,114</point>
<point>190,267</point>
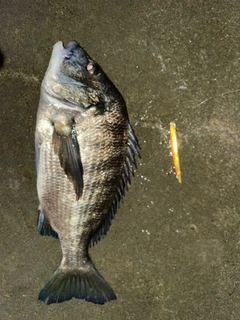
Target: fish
<point>174,151</point>
<point>86,153</point>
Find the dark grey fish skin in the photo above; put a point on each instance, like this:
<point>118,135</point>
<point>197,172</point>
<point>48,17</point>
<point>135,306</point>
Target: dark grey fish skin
<point>85,151</point>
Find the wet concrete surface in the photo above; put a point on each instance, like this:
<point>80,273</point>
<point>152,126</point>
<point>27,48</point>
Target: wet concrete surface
<point>173,249</point>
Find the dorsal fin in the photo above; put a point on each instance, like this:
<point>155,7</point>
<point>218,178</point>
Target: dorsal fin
<point>131,152</point>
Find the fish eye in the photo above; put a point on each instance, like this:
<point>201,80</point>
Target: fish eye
<point>91,68</point>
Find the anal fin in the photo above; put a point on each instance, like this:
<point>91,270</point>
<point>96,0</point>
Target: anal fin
<point>44,226</point>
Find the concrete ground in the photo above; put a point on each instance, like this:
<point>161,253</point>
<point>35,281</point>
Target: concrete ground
<point>173,251</point>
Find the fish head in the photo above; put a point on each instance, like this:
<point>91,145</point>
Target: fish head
<point>73,76</point>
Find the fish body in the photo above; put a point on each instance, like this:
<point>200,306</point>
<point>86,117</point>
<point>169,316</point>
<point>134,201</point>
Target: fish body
<point>85,152</point>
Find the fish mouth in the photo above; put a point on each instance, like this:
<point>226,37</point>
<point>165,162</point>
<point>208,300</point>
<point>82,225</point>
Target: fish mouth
<point>65,51</point>
<point>65,54</point>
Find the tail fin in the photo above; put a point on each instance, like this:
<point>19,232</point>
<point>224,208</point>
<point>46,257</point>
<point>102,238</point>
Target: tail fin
<point>85,284</point>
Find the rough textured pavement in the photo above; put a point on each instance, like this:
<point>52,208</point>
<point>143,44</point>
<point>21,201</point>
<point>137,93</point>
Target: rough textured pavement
<point>173,250</point>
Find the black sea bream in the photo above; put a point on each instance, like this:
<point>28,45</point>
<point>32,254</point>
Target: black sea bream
<point>85,150</point>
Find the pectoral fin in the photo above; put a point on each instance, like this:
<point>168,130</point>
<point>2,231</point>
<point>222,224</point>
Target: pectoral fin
<point>66,146</point>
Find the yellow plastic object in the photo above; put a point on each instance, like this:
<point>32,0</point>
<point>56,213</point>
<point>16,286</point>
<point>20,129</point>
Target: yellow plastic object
<point>174,150</point>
